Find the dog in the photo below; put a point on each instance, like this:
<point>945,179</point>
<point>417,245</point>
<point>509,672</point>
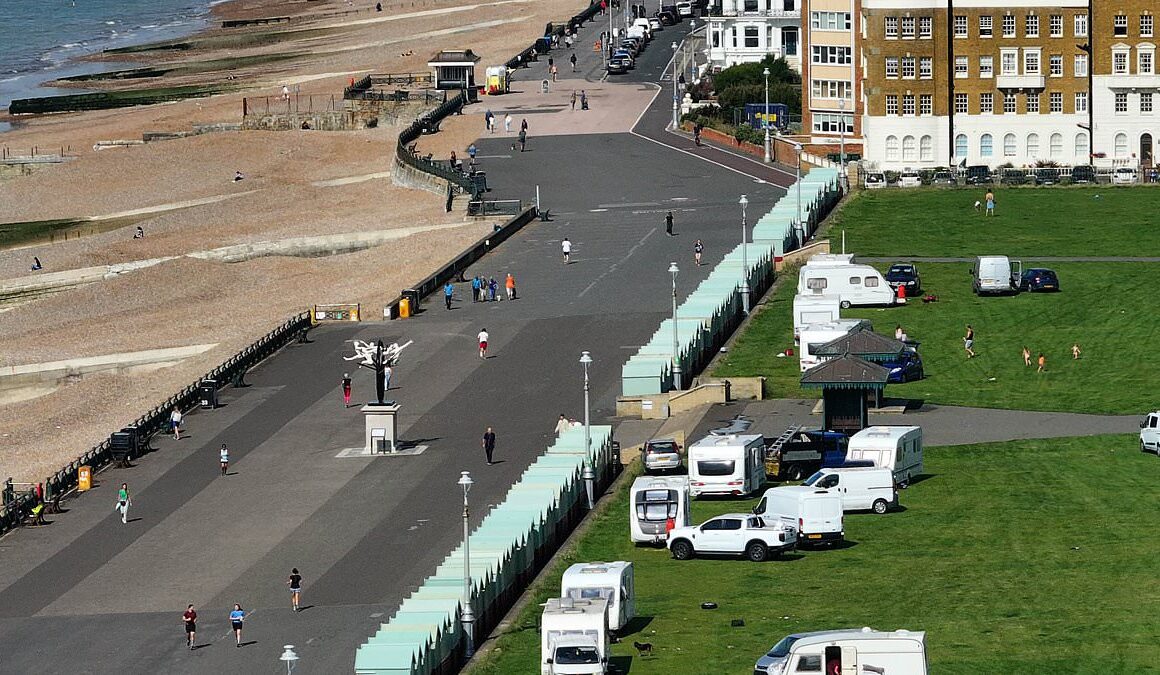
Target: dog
<point>643,648</point>
<point>926,299</point>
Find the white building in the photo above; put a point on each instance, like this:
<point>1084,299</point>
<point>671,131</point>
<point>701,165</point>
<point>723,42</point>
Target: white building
<point>746,31</point>
<point>1126,126</point>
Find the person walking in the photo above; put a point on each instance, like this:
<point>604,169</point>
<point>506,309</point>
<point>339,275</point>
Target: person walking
<point>124,501</point>
<point>1042,363</point>
<point>555,72</point>
<point>1075,351</point>
<point>524,124</point>
<point>573,100</point>
<point>566,247</point>
<point>475,288</point>
<point>698,249</point>
<point>507,123</point>
<point>482,337</point>
<point>489,120</point>
<point>471,152</point>
<point>583,100</point>
<point>448,293</point>
<point>237,618</point>
<point>990,198</point>
<point>523,139</point>
<point>488,443</point>
<point>1026,356</point>
<point>175,423</point>
<point>669,224</point>
<point>189,618</point>
<point>969,342</point>
<point>225,459</point>
<point>492,288</point>
<point>346,382</point>
<point>561,424</point>
<point>573,60</point>
<point>387,372</point>
<point>509,285</point>
<point>295,584</point>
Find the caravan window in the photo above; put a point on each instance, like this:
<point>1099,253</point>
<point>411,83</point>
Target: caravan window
<point>855,281</point>
<point>716,467</point>
<point>590,593</point>
<point>871,282</point>
<point>656,512</point>
<point>809,663</point>
<point>816,284</point>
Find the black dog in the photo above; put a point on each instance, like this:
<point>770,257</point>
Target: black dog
<point>645,648</point>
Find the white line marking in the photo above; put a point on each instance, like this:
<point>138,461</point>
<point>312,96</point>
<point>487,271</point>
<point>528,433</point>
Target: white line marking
<point>597,210</point>
<point>614,265</point>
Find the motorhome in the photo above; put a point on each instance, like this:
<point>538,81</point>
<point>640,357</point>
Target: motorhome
<point>899,652</point>
<point>574,637</point>
<point>993,274</point>
<point>816,335</point>
<point>860,487</point>
<point>611,581</point>
<point>817,514</point>
<point>813,309</point>
<point>657,505</point>
<point>896,448</point>
<point>727,465</point>
<point>852,284</point>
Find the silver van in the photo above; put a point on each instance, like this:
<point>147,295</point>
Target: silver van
<point>993,274</point>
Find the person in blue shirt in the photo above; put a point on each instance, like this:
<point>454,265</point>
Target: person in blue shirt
<point>237,616</point>
<point>448,291</point>
<point>475,288</point>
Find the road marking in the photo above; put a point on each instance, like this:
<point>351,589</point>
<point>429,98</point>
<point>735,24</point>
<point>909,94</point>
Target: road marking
<point>614,265</point>
<point>597,210</point>
<point>492,157</point>
<point>627,205</point>
<point>684,199</point>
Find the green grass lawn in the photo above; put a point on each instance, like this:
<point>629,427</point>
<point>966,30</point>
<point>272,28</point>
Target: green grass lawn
<point>984,559</point>
<point>1029,221</point>
<point>1099,307</point>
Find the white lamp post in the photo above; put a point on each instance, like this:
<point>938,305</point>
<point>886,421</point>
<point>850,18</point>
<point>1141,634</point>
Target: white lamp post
<point>765,121</point>
<point>588,474</point>
<point>842,140</point>
<point>676,343</point>
<point>692,51</point>
<point>676,121</point>
<point>744,259</point>
<point>798,149</point>
<point>289,657</point>
<point>468,615</point>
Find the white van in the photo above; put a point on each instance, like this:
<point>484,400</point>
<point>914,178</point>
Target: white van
<point>1150,433</point>
<point>657,505</point>
<point>993,274</point>
<point>811,309</point>
<point>612,581</point>
<point>817,514</point>
<point>896,448</point>
<point>860,487</point>
<point>852,284</point>
<point>727,465</point>
<point>644,23</point>
<point>816,335</point>
<point>852,651</point>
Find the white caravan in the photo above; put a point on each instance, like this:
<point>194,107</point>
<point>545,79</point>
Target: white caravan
<point>727,465</point>
<point>852,651</point>
<point>860,488</point>
<point>574,637</point>
<point>816,335</point>
<point>817,514</point>
<point>993,274</point>
<point>896,448</point>
<point>657,505</point>
<point>813,309</point>
<point>852,284</point>
<point>611,581</point>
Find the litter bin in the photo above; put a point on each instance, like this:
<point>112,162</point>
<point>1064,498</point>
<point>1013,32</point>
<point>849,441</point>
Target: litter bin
<point>121,447</point>
<point>478,182</point>
<point>84,478</point>
<point>405,308</point>
<point>412,296</point>
<point>544,45</point>
<point>207,394</point>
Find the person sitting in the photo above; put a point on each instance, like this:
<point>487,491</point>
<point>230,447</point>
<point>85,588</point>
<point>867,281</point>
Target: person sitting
<point>36,264</point>
<point>139,234</point>
<point>238,176</point>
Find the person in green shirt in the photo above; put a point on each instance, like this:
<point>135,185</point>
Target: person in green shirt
<point>124,501</point>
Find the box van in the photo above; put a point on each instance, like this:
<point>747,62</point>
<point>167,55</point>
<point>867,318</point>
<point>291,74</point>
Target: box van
<point>816,335</point>
<point>574,637</point>
<point>899,652</point>
<point>860,488</point>
<point>896,448</point>
<point>811,309</point>
<point>852,284</point>
<point>817,514</point>
<point>1150,433</point>
<point>992,274</point>
<point>612,581</point>
<point>657,505</point>
<point>727,465</point>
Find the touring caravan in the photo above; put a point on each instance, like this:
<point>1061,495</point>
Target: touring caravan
<point>899,652</point>
<point>993,274</point>
<point>896,448</point>
<point>813,309</point>
<point>816,335</point>
<point>574,637</point>
<point>727,465</point>
<point>817,514</point>
<point>612,581</point>
<point>657,505</point>
<point>853,285</point>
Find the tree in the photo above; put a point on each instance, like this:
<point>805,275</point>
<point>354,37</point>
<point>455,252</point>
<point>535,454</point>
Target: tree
<point>751,74</point>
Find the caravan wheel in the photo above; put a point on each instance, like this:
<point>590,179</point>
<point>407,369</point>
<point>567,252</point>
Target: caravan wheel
<point>845,304</point>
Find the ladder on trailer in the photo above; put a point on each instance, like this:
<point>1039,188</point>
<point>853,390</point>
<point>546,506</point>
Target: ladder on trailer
<point>772,450</point>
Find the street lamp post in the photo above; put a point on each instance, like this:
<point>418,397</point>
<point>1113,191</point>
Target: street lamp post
<point>692,51</point>
<point>588,474</point>
<point>608,52</point>
<point>289,657</point>
<point>798,149</point>
<point>842,139</point>
<point>676,344</point>
<point>676,121</point>
<point>468,615</point>
<point>744,259</point>
<point>765,120</point>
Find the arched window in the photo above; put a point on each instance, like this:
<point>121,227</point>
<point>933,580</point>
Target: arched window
<point>908,148</point>
<point>1056,145</point>
<point>985,145</point>
<point>891,148</point>
<point>926,148</point>
<point>961,146</point>
<point>1121,145</point>
<point>1009,145</point>
<point>1032,146</point>
<point>1081,146</point>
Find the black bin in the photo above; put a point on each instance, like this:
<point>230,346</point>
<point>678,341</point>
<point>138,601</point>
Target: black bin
<point>207,394</point>
<point>544,45</point>
<point>123,446</point>
<point>412,296</point>
<point>478,181</point>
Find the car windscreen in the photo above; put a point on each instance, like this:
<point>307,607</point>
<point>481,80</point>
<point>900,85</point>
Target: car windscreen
<point>813,479</point>
<point>717,467</point>
<point>569,656</point>
<point>661,448</point>
<point>782,648</point>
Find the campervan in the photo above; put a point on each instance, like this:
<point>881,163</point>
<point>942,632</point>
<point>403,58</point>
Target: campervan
<point>608,581</point>
<point>657,505</point>
<point>993,274</point>
<point>817,514</point>
<point>860,487</point>
<point>816,335</point>
<point>574,637</point>
<point>852,284</point>
<point>727,465</point>
<point>896,448</point>
<point>812,309</point>
<point>899,652</point>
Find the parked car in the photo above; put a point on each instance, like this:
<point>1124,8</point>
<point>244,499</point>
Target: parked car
<point>1083,174</point>
<point>1013,177</point>
<point>625,56</point>
<point>617,66</point>
<point>668,18</point>
<point>1150,433</point>
<point>684,9</point>
<point>734,534</point>
<point>655,24</point>
<point>906,367</point>
<point>979,175</point>
<point>909,179</point>
<point>904,274</point>
<point>1124,175</point>
<point>875,181</point>
<point>1046,176</point>
<point>1038,279</point>
<point>943,178</point>
<point>661,454</point>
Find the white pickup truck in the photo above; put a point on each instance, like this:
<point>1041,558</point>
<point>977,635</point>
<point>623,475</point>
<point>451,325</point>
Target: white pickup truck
<point>733,534</point>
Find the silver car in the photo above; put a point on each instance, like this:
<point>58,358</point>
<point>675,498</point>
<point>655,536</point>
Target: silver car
<point>662,454</point>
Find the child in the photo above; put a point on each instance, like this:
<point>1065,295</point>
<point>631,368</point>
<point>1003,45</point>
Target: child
<point>1075,351</point>
<point>1026,356</point>
<point>1042,363</point>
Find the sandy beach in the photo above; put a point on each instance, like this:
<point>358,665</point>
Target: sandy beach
<point>297,183</point>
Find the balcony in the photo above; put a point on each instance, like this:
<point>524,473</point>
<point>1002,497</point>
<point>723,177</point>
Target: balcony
<point>1020,81</point>
<point>1125,82</point>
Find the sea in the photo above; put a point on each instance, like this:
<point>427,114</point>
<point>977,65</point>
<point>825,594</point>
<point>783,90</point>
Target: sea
<point>40,39</point>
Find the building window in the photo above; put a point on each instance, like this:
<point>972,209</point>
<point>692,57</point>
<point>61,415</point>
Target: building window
<point>926,67</point>
<point>926,104</point>
<point>825,123</point>
<point>986,66</point>
<point>1081,101</point>
<point>908,27</point>
<point>960,25</point>
<point>789,41</point>
<point>908,148</point>
<point>1081,25</point>
<point>1145,25</point>
<point>1033,103</point>
<point>831,89</point>
<point>749,6</point>
<point>733,33</point>
<point>1145,59</point>
<point>961,105</point>
<point>962,66</point>
<point>1032,146</point>
<point>1009,62</point>
<point>892,104</point>
<point>1056,146</point>
<point>1030,61</point>
<point>986,102</point>
<point>891,148</point>
<point>926,149</point>
<point>908,67</point>
<point>1009,101</point>
<point>1081,65</point>
<point>1120,25</point>
<point>826,54</point>
<point>752,39</point>
<point>1146,102</point>
<point>1009,145</point>
<point>1121,145</point>
<point>986,26</point>
<point>961,145</point>
<point>891,27</point>
<point>1056,25</point>
<point>1055,63</point>
<point>985,145</point>
<point>1055,102</point>
<point>892,67</point>
<point>925,26</point>
<point>1121,102</point>
<point>1081,146</point>
<point>1031,26</point>
<point>830,20</point>
<point>908,104</point>
<point>1008,25</point>
<point>1120,62</point>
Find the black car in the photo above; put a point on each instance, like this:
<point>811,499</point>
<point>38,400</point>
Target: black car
<point>668,18</point>
<point>1013,177</point>
<point>1039,279</point>
<point>904,274</point>
<point>1047,176</point>
<point>906,367</point>
<point>943,178</point>
<point>1083,174</point>
<point>978,175</point>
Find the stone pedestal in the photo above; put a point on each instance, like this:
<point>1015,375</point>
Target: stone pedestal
<point>382,427</point>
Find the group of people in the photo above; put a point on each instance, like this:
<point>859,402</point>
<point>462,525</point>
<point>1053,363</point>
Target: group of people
<point>1041,360</point>
<point>485,289</point>
<point>237,615</point>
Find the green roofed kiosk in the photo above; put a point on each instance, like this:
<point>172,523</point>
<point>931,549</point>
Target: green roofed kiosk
<point>847,382</point>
